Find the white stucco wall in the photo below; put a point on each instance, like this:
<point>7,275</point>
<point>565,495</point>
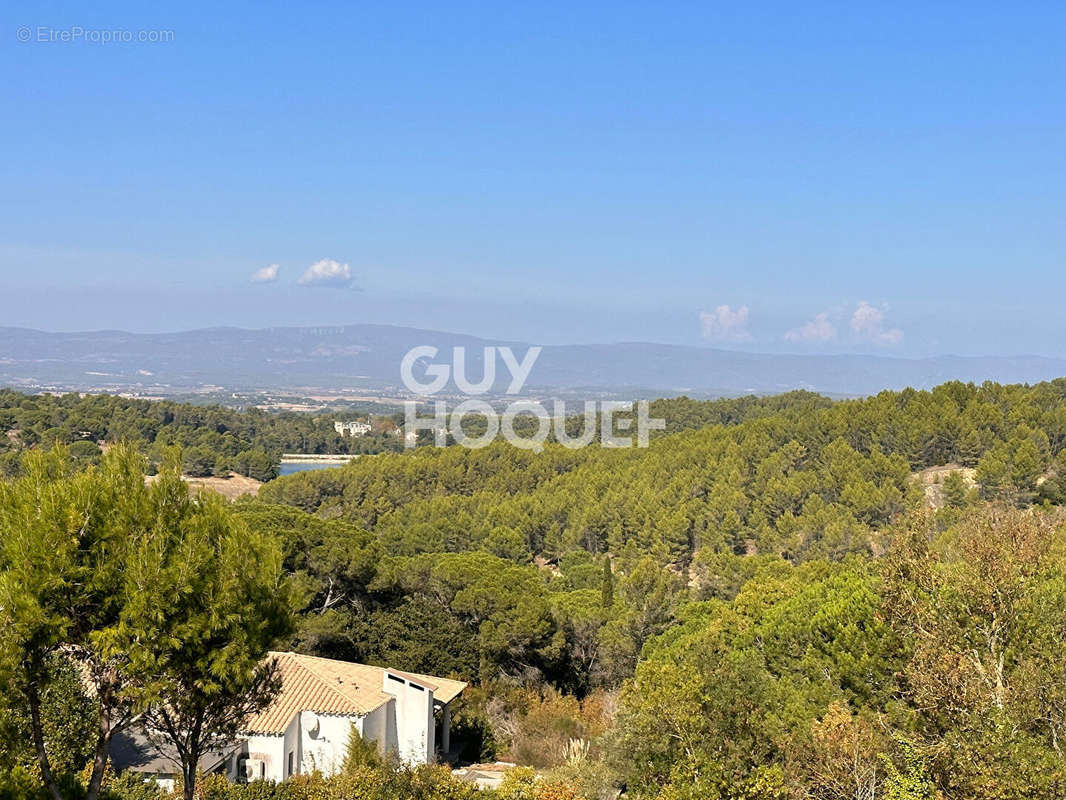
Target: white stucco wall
<point>269,750</point>
<point>166,783</point>
<point>317,741</point>
<point>292,746</point>
<point>375,727</point>
<point>324,741</point>
<point>413,714</point>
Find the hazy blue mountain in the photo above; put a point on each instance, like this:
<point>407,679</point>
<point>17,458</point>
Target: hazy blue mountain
<point>368,357</point>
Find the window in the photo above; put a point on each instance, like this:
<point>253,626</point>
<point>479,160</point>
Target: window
<point>292,757</point>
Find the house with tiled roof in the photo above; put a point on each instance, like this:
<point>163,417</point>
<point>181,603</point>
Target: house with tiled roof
<point>306,727</point>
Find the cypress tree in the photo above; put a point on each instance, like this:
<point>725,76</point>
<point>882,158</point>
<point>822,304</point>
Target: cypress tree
<point>607,585</point>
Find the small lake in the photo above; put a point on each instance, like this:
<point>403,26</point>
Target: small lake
<point>289,469</point>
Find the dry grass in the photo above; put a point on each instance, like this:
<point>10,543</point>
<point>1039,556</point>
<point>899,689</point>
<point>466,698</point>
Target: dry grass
<point>231,487</point>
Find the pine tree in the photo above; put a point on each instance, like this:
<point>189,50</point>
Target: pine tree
<point>955,490</point>
<point>359,753</point>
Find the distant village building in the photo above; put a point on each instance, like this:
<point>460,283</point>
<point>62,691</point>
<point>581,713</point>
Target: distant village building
<point>353,428</point>
<point>306,728</point>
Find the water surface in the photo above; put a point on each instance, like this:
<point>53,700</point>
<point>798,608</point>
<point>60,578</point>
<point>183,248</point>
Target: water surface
<point>289,469</point>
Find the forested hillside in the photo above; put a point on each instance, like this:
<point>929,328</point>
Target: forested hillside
<point>794,477</point>
<point>215,440</point>
<point>730,579</point>
<point>761,604</point>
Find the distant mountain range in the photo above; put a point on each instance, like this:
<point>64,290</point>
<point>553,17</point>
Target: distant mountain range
<point>367,358</point>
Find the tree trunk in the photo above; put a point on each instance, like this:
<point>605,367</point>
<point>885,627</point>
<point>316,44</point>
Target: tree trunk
<point>34,700</point>
<point>190,758</point>
<point>103,742</point>
<point>189,778</point>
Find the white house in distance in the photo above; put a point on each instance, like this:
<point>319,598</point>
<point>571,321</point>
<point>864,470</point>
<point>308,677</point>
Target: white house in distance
<point>353,428</point>
<point>306,727</point>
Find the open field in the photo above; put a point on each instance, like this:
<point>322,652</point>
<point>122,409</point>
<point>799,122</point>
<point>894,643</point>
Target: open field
<point>230,487</point>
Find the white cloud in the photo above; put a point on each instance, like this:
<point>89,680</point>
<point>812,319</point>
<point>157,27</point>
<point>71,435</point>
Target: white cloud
<point>266,274</point>
<point>868,322</point>
<point>819,329</point>
<point>327,272</point>
<point>724,324</point>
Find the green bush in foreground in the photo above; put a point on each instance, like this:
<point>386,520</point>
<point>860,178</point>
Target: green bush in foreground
<point>366,782</point>
<point>363,782</point>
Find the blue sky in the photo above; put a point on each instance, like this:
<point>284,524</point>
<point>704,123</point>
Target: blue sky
<point>812,177</point>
